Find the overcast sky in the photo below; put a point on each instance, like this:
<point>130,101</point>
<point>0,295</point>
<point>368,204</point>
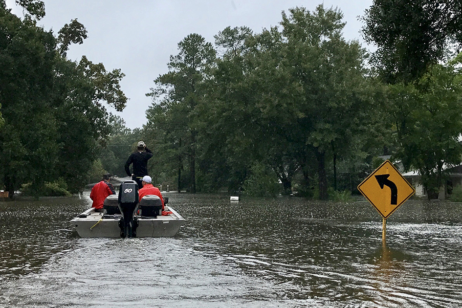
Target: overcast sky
<point>138,36</point>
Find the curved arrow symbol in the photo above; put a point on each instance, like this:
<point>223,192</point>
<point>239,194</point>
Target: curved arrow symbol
<point>383,180</point>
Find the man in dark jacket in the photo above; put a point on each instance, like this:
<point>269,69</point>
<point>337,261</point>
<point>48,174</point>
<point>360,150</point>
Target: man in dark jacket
<point>139,159</point>
<point>100,191</point>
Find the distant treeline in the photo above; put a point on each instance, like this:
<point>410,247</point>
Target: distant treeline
<point>300,106</point>
<point>293,109</point>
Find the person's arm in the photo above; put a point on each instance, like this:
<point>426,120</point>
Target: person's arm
<point>149,153</point>
<point>161,199</point>
<point>127,165</point>
<point>92,195</point>
<point>111,189</point>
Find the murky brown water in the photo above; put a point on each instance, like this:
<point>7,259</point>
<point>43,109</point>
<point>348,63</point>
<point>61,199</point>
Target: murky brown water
<point>254,253</point>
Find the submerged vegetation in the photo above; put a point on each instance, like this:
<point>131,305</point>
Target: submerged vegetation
<point>294,110</point>
<point>456,195</point>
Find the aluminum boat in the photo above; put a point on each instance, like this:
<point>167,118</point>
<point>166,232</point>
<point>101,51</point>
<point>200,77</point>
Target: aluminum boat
<point>129,219</point>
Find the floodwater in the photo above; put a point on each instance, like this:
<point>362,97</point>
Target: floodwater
<point>284,252</point>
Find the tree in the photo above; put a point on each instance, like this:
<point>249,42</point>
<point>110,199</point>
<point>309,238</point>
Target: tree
<point>179,89</point>
<point>118,147</point>
<point>411,35</point>
<point>26,76</point>
<point>427,121</point>
<point>74,33</point>
<point>2,121</point>
<point>167,137</point>
<point>52,107</point>
<point>286,95</point>
<point>79,122</point>
<point>34,7</point>
<point>330,101</point>
<point>232,40</point>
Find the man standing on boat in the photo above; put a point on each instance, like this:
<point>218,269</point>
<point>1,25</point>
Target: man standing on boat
<point>100,191</point>
<point>139,159</point>
<point>149,189</point>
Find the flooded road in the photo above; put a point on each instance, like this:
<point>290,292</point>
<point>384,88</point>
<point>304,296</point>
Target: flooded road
<point>254,253</point>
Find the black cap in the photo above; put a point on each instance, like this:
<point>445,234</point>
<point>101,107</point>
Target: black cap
<point>106,176</point>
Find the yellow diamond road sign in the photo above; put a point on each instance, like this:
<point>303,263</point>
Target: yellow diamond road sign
<point>386,189</point>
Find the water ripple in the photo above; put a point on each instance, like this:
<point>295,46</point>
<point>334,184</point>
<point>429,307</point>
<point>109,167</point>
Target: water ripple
<point>255,253</point>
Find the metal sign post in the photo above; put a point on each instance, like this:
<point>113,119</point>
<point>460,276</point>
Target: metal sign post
<point>384,232</point>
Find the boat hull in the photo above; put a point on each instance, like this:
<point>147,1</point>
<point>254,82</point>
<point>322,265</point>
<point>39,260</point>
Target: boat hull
<point>92,224</point>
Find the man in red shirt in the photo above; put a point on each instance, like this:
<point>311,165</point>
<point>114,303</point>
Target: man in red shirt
<point>148,189</point>
<point>100,191</point>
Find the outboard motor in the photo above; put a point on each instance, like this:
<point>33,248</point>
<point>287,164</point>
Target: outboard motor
<point>128,201</point>
<point>151,206</point>
<point>111,205</point>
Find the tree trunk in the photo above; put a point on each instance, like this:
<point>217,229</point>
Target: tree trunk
<point>180,165</point>
<point>322,178</point>
<point>306,178</point>
<point>432,195</point>
<point>192,162</point>
<point>335,171</point>
<point>179,178</point>
<point>9,186</point>
<point>287,186</point>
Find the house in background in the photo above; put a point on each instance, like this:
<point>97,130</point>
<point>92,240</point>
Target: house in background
<point>454,179</point>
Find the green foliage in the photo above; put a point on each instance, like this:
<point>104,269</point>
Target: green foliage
<point>54,189</point>
<point>427,118</point>
<point>456,195</point>
<point>74,32</point>
<point>26,75</point>
<point>300,101</point>
<point>118,147</point>
<point>290,98</point>
<point>262,182</point>
<point>34,7</point>
<point>57,188</point>
<point>105,86</point>
<point>51,107</point>
<point>178,93</point>
<point>232,40</point>
<point>325,77</point>
<point>339,196</point>
<point>411,35</point>
<point>96,172</point>
<point>2,121</point>
<point>376,162</point>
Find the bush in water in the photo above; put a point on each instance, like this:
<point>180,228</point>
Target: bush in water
<point>58,188</point>
<point>456,195</point>
<point>262,182</point>
<point>339,196</point>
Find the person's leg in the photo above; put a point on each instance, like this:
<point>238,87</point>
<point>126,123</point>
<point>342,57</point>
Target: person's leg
<point>138,181</point>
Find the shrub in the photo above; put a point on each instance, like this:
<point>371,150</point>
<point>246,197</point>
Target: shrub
<point>339,196</point>
<point>58,188</point>
<point>262,182</point>
<point>301,190</point>
<point>55,189</point>
<point>456,195</point>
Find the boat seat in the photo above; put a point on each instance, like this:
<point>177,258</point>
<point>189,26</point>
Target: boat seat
<point>151,206</point>
<point>111,205</point>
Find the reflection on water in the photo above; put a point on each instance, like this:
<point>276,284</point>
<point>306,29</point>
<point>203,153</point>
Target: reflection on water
<point>32,231</point>
<point>253,253</point>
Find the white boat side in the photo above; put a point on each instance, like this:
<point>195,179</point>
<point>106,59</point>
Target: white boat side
<point>92,224</point>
